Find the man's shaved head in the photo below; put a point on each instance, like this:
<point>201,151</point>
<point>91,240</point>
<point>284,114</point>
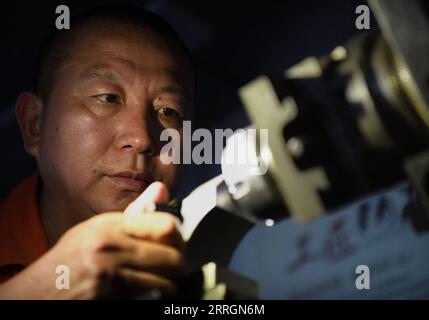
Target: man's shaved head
<point>59,45</point>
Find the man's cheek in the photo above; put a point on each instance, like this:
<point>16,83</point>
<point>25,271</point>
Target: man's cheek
<point>77,145</point>
<point>83,134</point>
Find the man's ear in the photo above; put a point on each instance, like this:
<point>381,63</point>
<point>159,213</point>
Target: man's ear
<point>28,111</point>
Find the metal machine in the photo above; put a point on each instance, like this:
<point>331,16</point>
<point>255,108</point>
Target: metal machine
<point>340,127</point>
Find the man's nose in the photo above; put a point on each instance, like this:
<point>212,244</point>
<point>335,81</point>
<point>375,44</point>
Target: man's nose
<point>135,134</point>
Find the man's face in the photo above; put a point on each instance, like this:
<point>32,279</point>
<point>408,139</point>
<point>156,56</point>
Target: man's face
<point>100,134</point>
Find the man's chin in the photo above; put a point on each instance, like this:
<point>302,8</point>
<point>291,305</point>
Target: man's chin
<point>117,203</point>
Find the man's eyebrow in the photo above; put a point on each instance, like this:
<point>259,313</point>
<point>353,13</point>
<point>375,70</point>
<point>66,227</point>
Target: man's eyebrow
<point>102,73</point>
<point>176,90</point>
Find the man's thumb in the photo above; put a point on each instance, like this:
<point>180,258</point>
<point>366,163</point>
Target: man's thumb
<point>156,193</point>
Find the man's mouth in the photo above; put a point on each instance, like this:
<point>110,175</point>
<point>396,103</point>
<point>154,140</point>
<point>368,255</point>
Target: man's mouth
<point>131,181</point>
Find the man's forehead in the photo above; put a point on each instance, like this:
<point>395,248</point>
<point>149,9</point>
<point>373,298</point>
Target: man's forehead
<point>113,65</point>
<point>113,68</point>
<point>131,49</point>
<point>132,45</point>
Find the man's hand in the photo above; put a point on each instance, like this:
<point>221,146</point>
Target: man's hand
<point>110,255</point>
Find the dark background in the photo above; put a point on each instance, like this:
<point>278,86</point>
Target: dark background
<point>232,43</point>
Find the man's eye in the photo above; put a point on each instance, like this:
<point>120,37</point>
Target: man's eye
<point>108,98</point>
<point>169,113</point>
<point>170,118</point>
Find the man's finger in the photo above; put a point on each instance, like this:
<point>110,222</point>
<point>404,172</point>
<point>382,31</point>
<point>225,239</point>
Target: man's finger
<point>156,226</point>
<point>155,193</point>
<point>154,257</point>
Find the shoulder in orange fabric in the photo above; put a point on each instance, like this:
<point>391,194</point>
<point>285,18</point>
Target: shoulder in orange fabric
<point>22,237</point>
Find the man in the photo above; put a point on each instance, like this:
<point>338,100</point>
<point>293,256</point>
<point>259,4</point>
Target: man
<point>105,90</point>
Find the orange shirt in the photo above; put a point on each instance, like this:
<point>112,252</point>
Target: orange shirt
<point>22,237</point>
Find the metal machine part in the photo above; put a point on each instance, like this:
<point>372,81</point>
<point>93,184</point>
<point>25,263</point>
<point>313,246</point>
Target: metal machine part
<point>376,115</point>
<point>367,132</point>
<point>298,188</point>
<point>323,153</point>
<point>405,28</point>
